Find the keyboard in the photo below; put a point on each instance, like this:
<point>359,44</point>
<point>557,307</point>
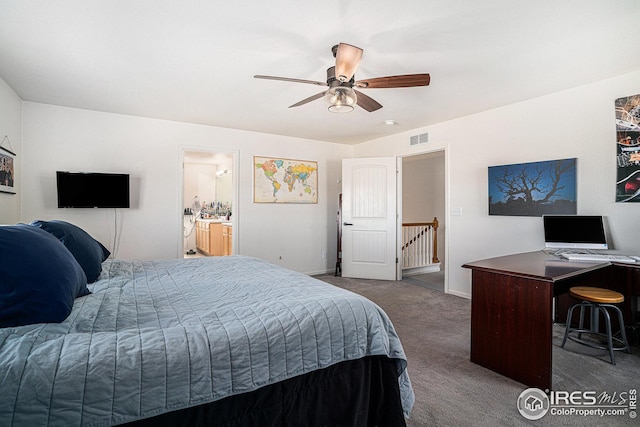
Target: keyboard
<point>599,257</point>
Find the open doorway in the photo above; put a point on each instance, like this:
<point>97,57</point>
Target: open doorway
<point>209,197</point>
<point>421,203</point>
<point>423,199</point>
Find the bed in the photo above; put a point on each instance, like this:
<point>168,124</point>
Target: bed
<point>231,341</point>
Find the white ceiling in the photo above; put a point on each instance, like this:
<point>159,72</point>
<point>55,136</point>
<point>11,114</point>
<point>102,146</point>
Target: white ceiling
<point>194,61</point>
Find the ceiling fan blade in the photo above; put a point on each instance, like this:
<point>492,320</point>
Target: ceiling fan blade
<point>309,99</point>
<point>367,102</point>
<point>287,79</point>
<point>347,60</point>
<point>407,80</point>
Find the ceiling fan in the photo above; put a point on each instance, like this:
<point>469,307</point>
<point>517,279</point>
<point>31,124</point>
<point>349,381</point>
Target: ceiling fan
<point>341,96</point>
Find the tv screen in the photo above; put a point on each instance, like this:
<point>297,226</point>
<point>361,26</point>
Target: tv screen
<point>574,232</point>
<point>92,190</point>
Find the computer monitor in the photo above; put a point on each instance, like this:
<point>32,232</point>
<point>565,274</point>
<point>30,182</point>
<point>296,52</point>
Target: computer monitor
<point>574,232</point>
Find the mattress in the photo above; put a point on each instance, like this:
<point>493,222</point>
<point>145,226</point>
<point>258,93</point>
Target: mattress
<point>159,336</point>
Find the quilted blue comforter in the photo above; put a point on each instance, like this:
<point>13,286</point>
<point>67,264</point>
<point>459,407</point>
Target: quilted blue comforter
<point>158,336</point>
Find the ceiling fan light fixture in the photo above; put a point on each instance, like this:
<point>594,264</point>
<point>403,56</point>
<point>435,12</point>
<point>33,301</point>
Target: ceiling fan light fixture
<point>341,99</point>
<point>347,59</point>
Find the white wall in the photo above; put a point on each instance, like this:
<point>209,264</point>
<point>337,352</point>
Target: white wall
<point>576,123</point>
<point>60,138</point>
<point>11,125</point>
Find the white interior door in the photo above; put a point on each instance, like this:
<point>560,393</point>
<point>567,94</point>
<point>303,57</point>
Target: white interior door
<point>369,218</point>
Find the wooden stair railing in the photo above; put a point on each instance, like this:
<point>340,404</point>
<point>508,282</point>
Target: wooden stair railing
<point>419,243</point>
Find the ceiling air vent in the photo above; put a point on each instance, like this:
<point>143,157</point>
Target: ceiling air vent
<point>423,138</point>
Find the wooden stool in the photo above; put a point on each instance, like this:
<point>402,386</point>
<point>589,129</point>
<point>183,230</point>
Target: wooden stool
<point>597,300</point>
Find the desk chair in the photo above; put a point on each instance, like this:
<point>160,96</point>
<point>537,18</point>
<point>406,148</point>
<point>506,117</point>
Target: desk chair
<point>598,300</point>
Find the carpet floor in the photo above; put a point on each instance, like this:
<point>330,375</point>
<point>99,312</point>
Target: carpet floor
<point>434,328</point>
<point>433,281</point>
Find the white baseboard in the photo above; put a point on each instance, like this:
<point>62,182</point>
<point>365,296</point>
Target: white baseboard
<point>432,268</point>
<point>319,272</point>
<point>460,294</point>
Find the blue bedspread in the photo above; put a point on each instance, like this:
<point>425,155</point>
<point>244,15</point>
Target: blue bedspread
<point>157,336</point>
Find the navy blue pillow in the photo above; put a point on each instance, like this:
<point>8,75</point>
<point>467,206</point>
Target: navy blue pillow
<point>88,252</point>
<point>39,277</point>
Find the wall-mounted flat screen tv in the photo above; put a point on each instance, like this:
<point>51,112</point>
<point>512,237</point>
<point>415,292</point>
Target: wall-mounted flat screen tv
<point>574,232</point>
<point>92,190</point>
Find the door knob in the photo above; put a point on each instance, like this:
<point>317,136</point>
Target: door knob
<point>346,223</point>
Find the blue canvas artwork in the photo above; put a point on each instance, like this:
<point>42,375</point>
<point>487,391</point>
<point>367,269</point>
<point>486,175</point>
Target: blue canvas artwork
<point>533,189</point>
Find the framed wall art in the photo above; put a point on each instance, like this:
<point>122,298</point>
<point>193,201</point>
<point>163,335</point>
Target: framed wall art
<point>277,180</point>
<point>628,149</point>
<point>533,189</point>
<point>7,170</point>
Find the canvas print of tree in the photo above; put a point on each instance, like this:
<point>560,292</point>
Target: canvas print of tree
<point>533,189</point>
<point>628,149</point>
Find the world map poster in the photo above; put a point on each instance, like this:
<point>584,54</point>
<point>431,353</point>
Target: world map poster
<point>284,180</point>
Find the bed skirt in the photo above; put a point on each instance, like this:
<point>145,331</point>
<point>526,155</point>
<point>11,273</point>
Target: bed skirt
<point>356,393</point>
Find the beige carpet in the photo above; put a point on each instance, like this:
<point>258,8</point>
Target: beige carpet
<point>451,391</point>
<point>433,280</point>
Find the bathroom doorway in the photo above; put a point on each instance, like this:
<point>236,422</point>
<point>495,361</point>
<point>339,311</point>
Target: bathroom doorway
<point>209,201</point>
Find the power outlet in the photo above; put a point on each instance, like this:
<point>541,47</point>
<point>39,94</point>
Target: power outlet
<point>456,211</point>
<point>324,254</point>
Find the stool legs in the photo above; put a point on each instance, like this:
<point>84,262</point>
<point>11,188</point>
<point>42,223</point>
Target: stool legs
<point>607,320</point>
<point>568,326</point>
<point>623,334</point>
<point>595,308</point>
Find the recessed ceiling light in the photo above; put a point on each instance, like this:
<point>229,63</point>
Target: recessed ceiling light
<point>389,122</point>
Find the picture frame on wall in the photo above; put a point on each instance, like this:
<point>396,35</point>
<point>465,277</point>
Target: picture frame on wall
<point>7,171</point>
<point>533,189</point>
<point>628,149</point>
<point>278,180</point>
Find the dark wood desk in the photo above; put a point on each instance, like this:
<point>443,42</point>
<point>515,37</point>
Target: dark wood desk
<point>512,309</point>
